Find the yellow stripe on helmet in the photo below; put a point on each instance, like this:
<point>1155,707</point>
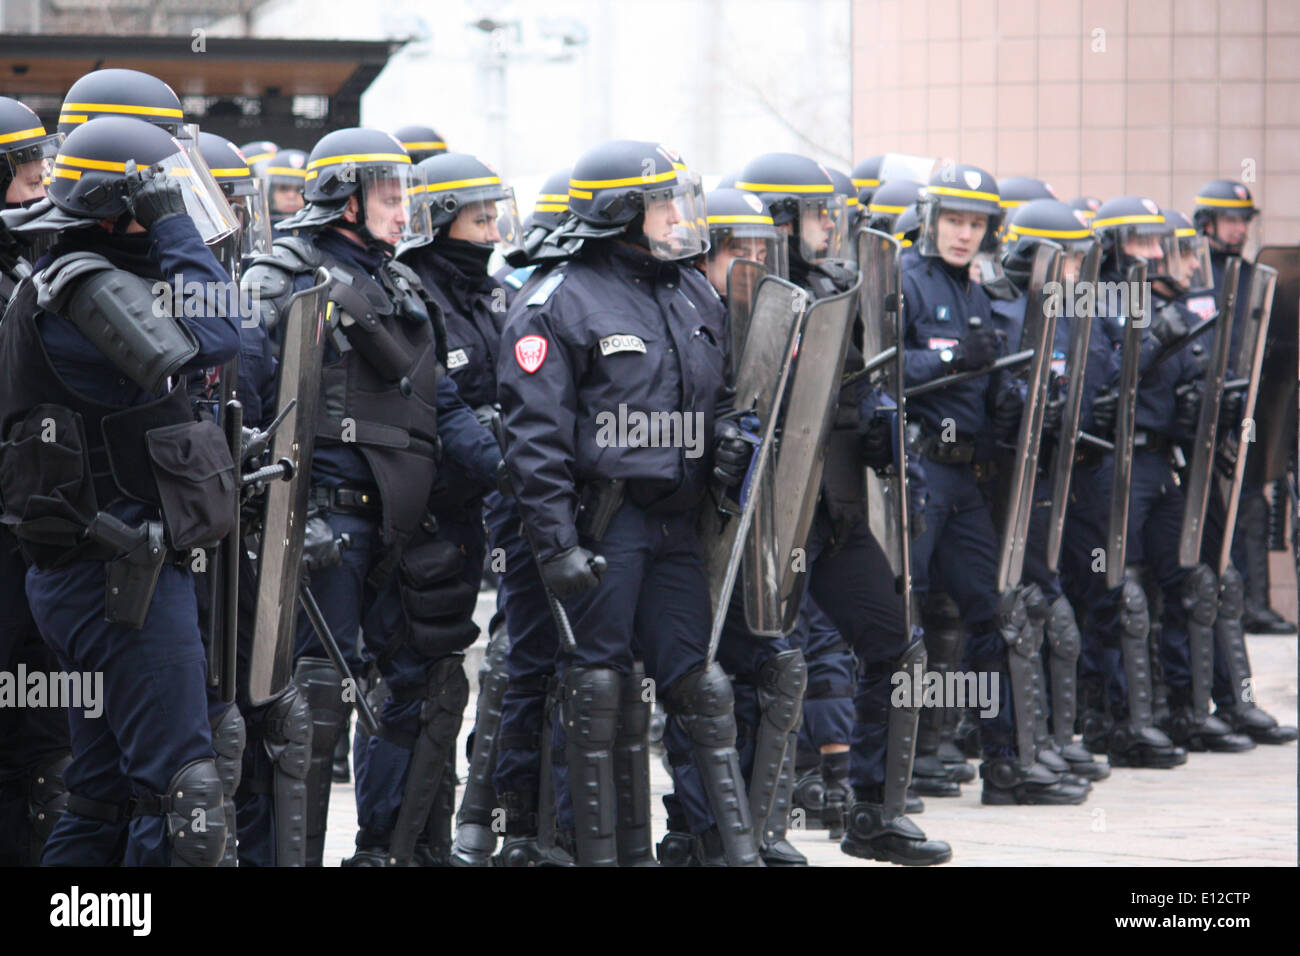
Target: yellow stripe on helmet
<point>552,206</point>
<point>786,187</point>
<point>232,172</point>
<point>170,111</point>
<point>425,144</point>
<point>721,220</point>
<point>102,164</point>
<point>889,210</point>
<point>1017,231</point>
<point>67,173</point>
<point>579,193</point>
<point>463,183</point>
<point>552,197</point>
<point>73,117</point>
<point>628,181</point>
<point>285,171</point>
<point>1226,203</point>
<point>963,193</point>
<point>23,134</point>
<point>316,164</point>
<point>864,183</point>
<point>1127,221</point>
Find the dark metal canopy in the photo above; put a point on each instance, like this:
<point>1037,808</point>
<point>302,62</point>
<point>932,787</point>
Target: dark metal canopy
<point>289,91</point>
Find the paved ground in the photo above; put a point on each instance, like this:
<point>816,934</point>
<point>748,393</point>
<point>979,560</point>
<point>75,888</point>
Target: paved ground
<point>1216,810</point>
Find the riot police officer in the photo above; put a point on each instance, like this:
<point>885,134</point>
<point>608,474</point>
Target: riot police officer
<point>285,173</point>
<point>866,178</point>
<point>890,201</point>
<point>144,791</point>
<point>34,746</point>
<point>548,210</point>
<point>420,142</point>
<point>614,334</point>
<point>387,406</point>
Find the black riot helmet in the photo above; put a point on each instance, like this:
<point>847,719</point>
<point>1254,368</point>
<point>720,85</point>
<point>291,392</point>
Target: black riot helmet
<point>1014,190</point>
<point>549,210</point>
<point>420,142</point>
<point>258,150</point>
<point>121,93</point>
<point>455,182</point>
<point>852,210</point>
<point>1134,226</point>
<point>866,177</point>
<point>889,201</point>
<point>959,187</point>
<point>740,228</point>
<point>25,152</point>
<point>799,193</point>
<point>640,188</point>
<point>88,179</point>
<point>1223,199</point>
<point>1088,205</point>
<point>1039,221</point>
<point>245,193</point>
<point>907,227</point>
<point>285,174</point>
<point>371,166</point>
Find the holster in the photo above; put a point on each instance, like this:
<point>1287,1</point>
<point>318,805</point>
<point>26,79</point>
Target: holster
<point>597,505</point>
<point>129,580</point>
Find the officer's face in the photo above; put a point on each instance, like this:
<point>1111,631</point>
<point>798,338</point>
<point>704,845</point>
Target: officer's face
<point>386,210</point>
<point>660,217</point>
<point>286,199</point>
<point>477,222</point>
<point>815,227</point>
<point>959,234</point>
<point>27,183</point>
<point>1231,230</point>
<point>727,251</point>
<point>1148,247</point>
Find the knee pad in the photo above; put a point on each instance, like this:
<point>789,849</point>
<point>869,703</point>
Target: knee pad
<point>445,699</point>
<point>1134,614</point>
<point>1062,631</point>
<point>1200,595</point>
<point>1232,594</point>
<point>322,687</point>
<point>590,697</point>
<point>195,815</point>
<point>287,732</point>
<point>228,741</point>
<point>47,799</point>
<point>1036,607</point>
<point>780,687</point>
<point>704,704</point>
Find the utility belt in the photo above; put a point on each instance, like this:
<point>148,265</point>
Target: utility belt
<point>1153,441</point>
<point>959,451</point>
<point>364,502</point>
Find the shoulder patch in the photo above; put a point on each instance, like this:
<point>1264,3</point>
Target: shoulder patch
<point>456,358</point>
<point>530,353</point>
<point>543,291</point>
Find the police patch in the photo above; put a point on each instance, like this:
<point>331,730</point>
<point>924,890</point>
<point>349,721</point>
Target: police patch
<point>972,178</point>
<point>941,313</point>
<point>936,344</point>
<point>621,343</point>
<point>549,285</point>
<point>530,353</point>
<point>457,358</point>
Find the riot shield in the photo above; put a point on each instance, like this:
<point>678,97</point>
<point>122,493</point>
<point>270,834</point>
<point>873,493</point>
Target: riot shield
<point>742,283</point>
<point>1037,334</point>
<point>1067,441</point>
<point>812,397</point>
<point>279,546</point>
<point>880,307</point>
<point>762,375</point>
<point>1200,467</point>
<point>1125,409</point>
<point>1274,432</point>
<point>1249,367</point>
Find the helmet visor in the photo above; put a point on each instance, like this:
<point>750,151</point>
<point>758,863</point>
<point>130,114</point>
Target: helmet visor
<point>1191,263</point>
<point>390,207</point>
<point>956,234</point>
<point>1154,242</point>
<point>675,225</point>
<point>823,228</point>
<point>33,158</point>
<point>204,200</point>
<point>254,215</point>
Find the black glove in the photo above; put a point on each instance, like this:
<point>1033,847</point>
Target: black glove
<point>153,198</point>
<point>1104,408</point>
<point>1053,413</point>
<point>876,440</point>
<point>571,572</point>
<point>1169,325</point>
<point>976,350</point>
<point>320,549</point>
<point>1007,407</point>
<point>505,485</point>
<point>731,454</point>
<point>1230,409</point>
<point>1187,408</point>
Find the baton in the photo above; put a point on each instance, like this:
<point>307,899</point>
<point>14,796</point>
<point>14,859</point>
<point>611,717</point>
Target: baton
<point>1007,361</point>
<point>364,714</point>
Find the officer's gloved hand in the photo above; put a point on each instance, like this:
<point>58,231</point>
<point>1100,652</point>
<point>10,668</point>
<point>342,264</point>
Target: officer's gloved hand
<point>977,350</point>
<point>1187,408</point>
<point>254,445</point>
<point>1007,408</point>
<point>1053,413</point>
<point>918,496</point>
<point>1230,408</point>
<point>731,454</point>
<point>1104,408</point>
<point>320,549</point>
<point>505,485</point>
<point>485,415</point>
<point>153,199</point>
<point>876,440</point>
<point>1169,325</point>
<point>571,572</point>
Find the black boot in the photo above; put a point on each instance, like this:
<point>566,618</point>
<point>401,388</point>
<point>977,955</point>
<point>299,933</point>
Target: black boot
<point>870,836</point>
<point>836,795</point>
<point>1006,783</point>
<point>1252,535</point>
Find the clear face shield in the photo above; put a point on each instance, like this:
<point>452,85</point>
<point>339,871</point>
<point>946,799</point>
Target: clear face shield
<point>1192,269</point>
<point>391,210</point>
<point>823,228</point>
<point>674,222</point>
<point>204,200</point>
<point>1157,245</point>
<point>248,201</point>
<point>29,169</point>
<point>956,235</point>
<point>755,243</point>
<point>488,215</point>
